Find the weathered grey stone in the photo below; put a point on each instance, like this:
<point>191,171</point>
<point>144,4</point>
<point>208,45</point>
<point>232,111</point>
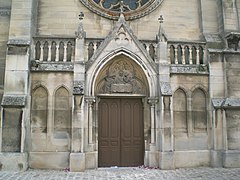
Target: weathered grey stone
<point>199,69</point>
<point>232,102</point>
<point>51,66</point>
<point>166,89</point>
<point>11,133</point>
<point>14,100</point>
<point>49,160</point>
<point>5,12</point>
<point>218,102</point>
<point>13,161</point>
<point>78,87</point>
<point>77,162</point>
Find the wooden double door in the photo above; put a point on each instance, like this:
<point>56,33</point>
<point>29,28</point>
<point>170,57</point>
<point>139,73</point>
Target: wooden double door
<point>120,132</point>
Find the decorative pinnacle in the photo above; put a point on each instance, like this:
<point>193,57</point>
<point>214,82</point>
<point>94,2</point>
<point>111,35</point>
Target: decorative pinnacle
<point>160,19</point>
<point>121,7</point>
<point>81,15</point>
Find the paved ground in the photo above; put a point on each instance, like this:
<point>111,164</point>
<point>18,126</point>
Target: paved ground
<point>126,174</point>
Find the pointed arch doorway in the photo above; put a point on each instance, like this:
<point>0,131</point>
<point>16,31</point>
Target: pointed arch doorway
<point>121,86</point>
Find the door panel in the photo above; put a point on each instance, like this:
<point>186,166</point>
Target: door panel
<point>131,132</point>
<point>120,132</point>
<point>109,132</point>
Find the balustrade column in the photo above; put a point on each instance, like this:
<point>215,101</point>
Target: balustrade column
<point>169,54</point>
<point>190,55</point>
<point>197,55</point>
<point>41,52</point>
<point>49,52</point>
<point>183,55</point>
<point>147,48</point>
<point>65,53</point>
<point>94,46</point>
<point>176,53</point>
<point>57,53</point>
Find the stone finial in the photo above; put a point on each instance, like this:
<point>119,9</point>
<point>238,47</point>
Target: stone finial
<point>80,33</point>
<point>121,7</point>
<point>121,16</point>
<point>160,19</point>
<point>161,34</point>
<point>81,16</point>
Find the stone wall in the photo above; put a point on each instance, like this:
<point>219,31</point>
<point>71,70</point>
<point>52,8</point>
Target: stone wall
<point>190,112</point>
<point>232,73</point>
<point>61,18</point>
<point>51,112</point>
<point>230,15</point>
<point>5,10</point>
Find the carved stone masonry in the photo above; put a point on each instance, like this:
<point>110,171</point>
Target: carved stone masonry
<point>80,33</point>
<point>196,69</point>
<point>14,100</point>
<point>78,88</point>
<point>218,102</point>
<point>5,12</point>
<point>233,40</point>
<point>121,78</point>
<point>18,47</point>
<point>166,89</point>
<point>51,66</point>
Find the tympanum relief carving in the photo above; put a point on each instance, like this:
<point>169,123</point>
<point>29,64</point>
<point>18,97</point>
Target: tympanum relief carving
<point>121,76</point>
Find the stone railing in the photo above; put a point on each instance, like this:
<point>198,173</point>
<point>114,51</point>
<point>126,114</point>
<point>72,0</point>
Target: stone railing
<point>91,46</point>
<point>151,47</point>
<point>187,52</point>
<point>54,49</point>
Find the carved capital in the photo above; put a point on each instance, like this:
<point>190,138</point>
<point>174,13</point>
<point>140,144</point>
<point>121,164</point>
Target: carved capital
<point>90,100</point>
<point>233,39</point>
<point>153,100</point>
<point>166,89</point>
<point>13,101</point>
<point>78,87</point>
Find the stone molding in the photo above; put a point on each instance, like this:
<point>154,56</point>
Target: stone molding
<point>78,87</point>
<point>226,103</point>
<point>14,101</point>
<point>51,66</point>
<point>189,69</point>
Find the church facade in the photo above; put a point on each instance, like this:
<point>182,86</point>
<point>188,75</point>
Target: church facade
<point>98,83</point>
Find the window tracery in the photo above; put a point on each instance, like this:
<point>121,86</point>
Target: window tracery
<point>132,9</point>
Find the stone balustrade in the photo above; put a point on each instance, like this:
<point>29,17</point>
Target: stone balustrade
<point>186,53</point>
<point>91,46</point>
<point>151,47</point>
<point>54,49</point>
<point>63,49</point>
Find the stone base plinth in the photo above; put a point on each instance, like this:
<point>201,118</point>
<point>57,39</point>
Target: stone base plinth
<point>77,162</point>
<point>231,159</point>
<point>49,160</point>
<point>13,161</point>
<point>166,160</point>
<point>216,158</point>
